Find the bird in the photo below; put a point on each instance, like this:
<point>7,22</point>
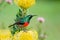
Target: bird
<point>23,21</point>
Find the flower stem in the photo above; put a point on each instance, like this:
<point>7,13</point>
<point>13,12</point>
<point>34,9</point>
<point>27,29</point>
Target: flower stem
<point>39,30</point>
<point>24,12</point>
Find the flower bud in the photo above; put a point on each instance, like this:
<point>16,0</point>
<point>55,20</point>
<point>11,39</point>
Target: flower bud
<point>41,19</point>
<point>9,1</point>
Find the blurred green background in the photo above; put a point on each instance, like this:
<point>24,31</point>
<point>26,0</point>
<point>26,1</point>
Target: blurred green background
<point>50,10</point>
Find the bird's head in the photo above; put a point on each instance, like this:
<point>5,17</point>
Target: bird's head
<point>28,17</point>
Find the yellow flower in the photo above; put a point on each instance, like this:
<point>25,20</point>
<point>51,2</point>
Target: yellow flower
<point>24,3</point>
<point>28,35</point>
<point>5,35</point>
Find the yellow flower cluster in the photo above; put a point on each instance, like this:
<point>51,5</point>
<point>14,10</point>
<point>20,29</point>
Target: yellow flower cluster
<point>5,35</point>
<point>28,35</point>
<point>24,3</point>
<point>22,35</point>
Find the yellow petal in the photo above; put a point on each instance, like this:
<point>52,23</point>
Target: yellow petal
<point>28,35</point>
<point>5,35</point>
<point>24,3</point>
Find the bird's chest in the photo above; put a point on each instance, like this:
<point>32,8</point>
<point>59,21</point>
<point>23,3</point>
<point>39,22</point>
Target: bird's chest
<point>26,24</point>
<point>23,24</point>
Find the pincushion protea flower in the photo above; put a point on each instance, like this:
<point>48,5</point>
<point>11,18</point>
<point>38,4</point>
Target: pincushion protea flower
<point>5,35</point>
<point>24,3</point>
<point>26,35</point>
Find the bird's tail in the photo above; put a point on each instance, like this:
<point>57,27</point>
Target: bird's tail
<point>11,25</point>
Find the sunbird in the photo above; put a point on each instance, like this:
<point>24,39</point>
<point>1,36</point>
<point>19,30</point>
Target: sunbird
<point>23,21</point>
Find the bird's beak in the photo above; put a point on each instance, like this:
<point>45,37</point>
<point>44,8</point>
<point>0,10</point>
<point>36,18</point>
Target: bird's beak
<point>34,15</point>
